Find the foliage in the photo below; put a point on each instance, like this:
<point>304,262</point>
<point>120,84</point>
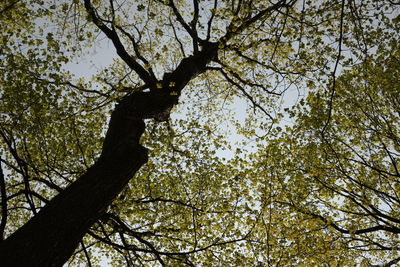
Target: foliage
<point>320,192</point>
<point>345,173</point>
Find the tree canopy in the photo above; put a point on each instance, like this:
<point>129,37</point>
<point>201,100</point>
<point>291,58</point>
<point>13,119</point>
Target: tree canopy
<point>187,148</point>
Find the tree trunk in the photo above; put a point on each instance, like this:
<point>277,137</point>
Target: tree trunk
<point>50,237</point>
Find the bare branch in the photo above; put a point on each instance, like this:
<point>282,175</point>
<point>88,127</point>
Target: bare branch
<point>23,168</point>
<point>136,49</point>
<point>86,254</point>
<point>209,23</point>
<point>394,261</point>
<point>191,30</point>
<point>335,69</point>
<point>246,94</point>
<point>29,192</point>
<point>121,51</point>
<point>177,39</point>
<point>235,30</point>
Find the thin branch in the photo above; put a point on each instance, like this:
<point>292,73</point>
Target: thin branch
<point>209,23</point>
<point>177,39</point>
<point>78,143</point>
<point>167,201</point>
<point>330,104</point>
<point>181,253</point>
<point>121,51</point>
<point>80,88</point>
<point>86,254</point>
<point>192,31</point>
<point>376,228</point>
<point>29,192</point>
<point>239,29</point>
<point>136,49</point>
<point>50,184</point>
<point>249,83</point>
<point>120,223</point>
<point>23,168</point>
<point>394,261</point>
<point>245,93</point>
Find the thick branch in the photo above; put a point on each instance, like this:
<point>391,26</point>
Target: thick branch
<point>4,213</point>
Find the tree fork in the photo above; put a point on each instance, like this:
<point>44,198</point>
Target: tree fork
<point>51,236</point>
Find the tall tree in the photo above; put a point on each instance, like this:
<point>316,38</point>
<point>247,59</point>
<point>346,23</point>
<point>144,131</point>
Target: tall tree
<point>347,173</point>
<point>175,201</point>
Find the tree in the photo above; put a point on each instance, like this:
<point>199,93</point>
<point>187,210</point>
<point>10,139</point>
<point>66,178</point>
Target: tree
<point>346,172</point>
<point>175,201</point>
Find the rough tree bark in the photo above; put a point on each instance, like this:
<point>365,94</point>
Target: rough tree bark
<point>50,237</point>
